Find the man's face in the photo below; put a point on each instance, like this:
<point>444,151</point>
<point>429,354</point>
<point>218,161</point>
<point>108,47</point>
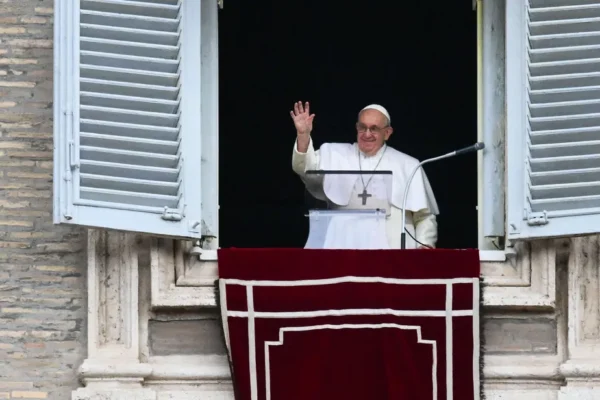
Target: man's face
<point>372,131</point>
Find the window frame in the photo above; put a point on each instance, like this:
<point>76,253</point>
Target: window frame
<point>491,129</point>
<point>522,276</point>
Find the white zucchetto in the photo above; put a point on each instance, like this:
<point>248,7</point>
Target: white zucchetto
<point>379,108</point>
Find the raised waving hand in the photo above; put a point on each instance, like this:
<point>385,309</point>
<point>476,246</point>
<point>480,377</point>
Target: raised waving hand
<point>303,119</point>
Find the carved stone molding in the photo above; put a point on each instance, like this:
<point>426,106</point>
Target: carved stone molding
<point>584,304</point>
<point>116,367</point>
<point>581,370</point>
<point>527,279</point>
<point>520,367</point>
<point>113,369</point>
<point>534,377</point>
<point>173,282</point>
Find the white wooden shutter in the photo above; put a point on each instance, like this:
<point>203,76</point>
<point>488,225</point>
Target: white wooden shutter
<point>128,116</point>
<point>553,117</point>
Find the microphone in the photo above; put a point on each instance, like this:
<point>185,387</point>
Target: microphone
<point>476,147</point>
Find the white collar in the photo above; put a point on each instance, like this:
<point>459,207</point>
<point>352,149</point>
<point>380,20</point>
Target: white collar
<point>374,156</point>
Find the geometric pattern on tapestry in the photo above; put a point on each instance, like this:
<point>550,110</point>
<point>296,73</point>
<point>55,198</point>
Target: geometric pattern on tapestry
<point>276,343</point>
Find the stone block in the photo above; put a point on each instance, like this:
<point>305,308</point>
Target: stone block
<point>185,337</point>
<point>521,335</point>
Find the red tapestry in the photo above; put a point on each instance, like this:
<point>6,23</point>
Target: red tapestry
<point>351,324</point>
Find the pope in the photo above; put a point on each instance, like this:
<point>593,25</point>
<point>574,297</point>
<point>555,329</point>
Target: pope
<point>369,153</point>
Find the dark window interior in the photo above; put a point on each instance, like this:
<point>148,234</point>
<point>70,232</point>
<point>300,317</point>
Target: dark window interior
<point>418,59</point>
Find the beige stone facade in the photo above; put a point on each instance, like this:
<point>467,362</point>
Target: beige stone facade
<point>151,331</point>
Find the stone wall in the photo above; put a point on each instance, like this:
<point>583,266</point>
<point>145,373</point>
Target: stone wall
<point>42,266</point>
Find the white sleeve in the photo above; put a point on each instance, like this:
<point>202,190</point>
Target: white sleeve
<point>425,227</point>
<point>302,162</point>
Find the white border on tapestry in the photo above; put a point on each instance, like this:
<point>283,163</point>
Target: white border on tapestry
<point>350,326</point>
<point>448,313</point>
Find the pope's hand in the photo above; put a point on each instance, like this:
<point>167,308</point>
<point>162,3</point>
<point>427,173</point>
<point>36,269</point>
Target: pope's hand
<point>303,120</point>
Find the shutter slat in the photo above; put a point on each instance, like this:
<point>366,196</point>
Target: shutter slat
<point>565,177</point>
<point>538,54</point>
<point>129,89</point>
<point>564,94</point>
<point>556,3</point>
<point>555,27</point>
<point>564,163</point>
<point>138,117</point>
<point>564,12</point>
<point>129,185</point>
<point>565,67</point>
<point>129,102</point>
<point>129,157</point>
<point>565,108</point>
<point>565,135</point>
<point>566,190</point>
<point>140,172</point>
<point>566,203</point>
<point>130,48</point>
<point>150,9</point>
<point>564,122</point>
<point>565,81</point>
<point>563,42</point>
<point>133,144</point>
<point>128,75</point>
<point>167,2</point>
<point>565,149</point>
<point>130,21</point>
<point>133,35</point>
<point>129,62</point>
<point>133,198</point>
<point>130,130</point>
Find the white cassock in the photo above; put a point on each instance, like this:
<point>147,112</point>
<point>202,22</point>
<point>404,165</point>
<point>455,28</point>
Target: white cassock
<point>342,191</point>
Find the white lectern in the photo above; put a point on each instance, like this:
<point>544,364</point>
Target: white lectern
<point>351,209</point>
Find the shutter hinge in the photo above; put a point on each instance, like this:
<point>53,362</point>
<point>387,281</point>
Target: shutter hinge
<point>220,3</point>
<point>170,214</point>
<point>72,156</point>
<point>537,218</point>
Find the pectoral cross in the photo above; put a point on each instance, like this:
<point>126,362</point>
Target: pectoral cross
<point>364,196</point>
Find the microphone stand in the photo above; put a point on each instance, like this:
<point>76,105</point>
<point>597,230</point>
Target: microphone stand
<point>475,147</point>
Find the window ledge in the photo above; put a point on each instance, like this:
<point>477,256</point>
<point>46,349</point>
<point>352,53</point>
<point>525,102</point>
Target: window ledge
<point>492,256</point>
<point>484,255</point>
